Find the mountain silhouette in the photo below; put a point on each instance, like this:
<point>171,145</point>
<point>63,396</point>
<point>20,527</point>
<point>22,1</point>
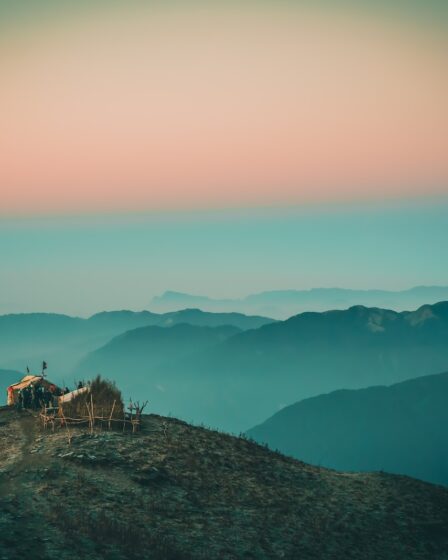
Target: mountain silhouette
<point>239,382</point>
<point>282,304</point>
<point>29,338</point>
<point>401,429</point>
<point>142,349</point>
<point>192,316</point>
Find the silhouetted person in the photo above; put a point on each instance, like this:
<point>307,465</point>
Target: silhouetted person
<point>38,396</point>
<point>47,398</point>
<point>35,396</point>
<point>19,401</point>
<point>80,385</point>
<point>26,394</point>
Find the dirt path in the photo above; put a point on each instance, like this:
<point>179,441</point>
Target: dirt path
<point>18,510</point>
<point>22,433</point>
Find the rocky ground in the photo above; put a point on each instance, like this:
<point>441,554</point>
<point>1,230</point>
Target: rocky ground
<point>174,491</point>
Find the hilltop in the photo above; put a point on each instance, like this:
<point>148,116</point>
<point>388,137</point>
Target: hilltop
<point>402,429</point>
<point>174,491</point>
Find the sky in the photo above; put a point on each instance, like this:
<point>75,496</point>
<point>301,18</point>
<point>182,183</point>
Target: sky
<point>219,147</point>
<point>84,264</point>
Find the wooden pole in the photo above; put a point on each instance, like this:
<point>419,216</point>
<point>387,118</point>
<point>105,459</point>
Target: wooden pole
<point>69,435</point>
<point>88,412</point>
<point>111,413</point>
<point>93,413</point>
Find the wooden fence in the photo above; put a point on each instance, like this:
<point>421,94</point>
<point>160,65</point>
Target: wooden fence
<point>52,417</point>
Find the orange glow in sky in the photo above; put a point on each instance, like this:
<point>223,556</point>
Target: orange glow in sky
<point>182,109</point>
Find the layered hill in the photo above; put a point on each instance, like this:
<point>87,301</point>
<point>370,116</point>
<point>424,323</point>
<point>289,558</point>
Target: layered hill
<point>127,320</point>
<point>29,338</point>
<point>137,358</point>
<point>246,378</point>
<point>282,304</point>
<point>174,491</point>
<point>400,429</point>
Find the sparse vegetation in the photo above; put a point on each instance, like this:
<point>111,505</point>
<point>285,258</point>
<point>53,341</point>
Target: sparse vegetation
<point>104,395</point>
<point>174,491</point>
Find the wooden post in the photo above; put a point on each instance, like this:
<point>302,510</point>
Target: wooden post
<point>90,416</point>
<point>93,412</point>
<point>69,435</point>
<point>111,414</point>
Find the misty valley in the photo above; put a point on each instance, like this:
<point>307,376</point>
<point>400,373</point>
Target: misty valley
<point>328,387</point>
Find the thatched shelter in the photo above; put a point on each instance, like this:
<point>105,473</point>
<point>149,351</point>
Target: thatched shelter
<point>27,381</point>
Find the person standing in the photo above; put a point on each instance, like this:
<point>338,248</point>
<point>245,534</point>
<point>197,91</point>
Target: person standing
<point>19,401</point>
<point>26,393</point>
<point>33,396</point>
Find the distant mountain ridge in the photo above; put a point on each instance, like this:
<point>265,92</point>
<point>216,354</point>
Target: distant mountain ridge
<point>238,382</point>
<point>282,304</point>
<point>28,338</point>
<point>402,429</point>
<point>142,350</point>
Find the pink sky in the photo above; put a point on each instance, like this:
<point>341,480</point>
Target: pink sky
<point>180,109</point>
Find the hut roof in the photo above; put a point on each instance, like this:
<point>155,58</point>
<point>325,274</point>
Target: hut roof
<point>69,396</point>
<point>27,380</point>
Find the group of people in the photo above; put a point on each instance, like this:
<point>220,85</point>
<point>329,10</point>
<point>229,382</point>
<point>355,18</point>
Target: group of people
<point>36,395</point>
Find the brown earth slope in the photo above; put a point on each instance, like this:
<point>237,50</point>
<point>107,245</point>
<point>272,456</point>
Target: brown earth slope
<point>175,491</point>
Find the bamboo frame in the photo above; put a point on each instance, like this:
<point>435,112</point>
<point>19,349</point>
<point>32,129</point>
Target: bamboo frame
<point>62,420</point>
<point>129,419</point>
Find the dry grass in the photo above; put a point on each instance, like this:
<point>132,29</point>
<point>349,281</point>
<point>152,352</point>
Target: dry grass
<point>173,491</point>
<point>104,395</point>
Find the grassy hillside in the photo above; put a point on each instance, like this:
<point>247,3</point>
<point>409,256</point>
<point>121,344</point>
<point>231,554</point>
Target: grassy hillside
<point>177,492</point>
